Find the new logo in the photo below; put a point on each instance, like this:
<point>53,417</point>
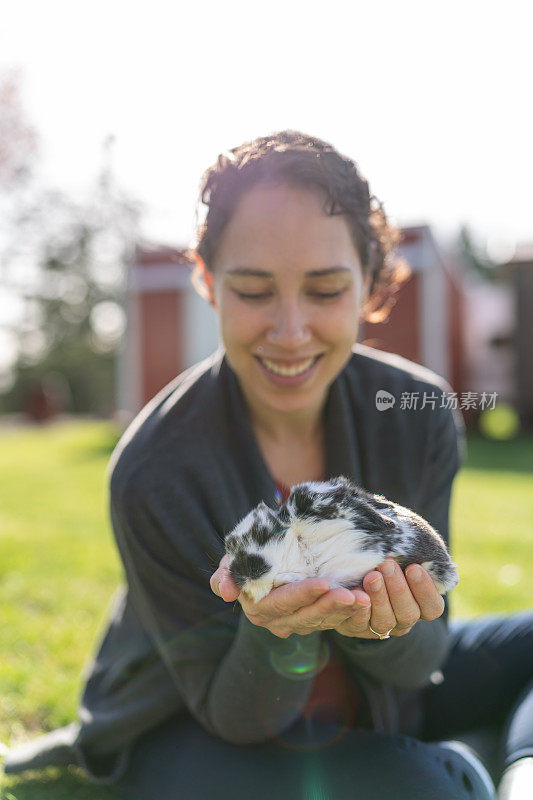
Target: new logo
<point>384,400</point>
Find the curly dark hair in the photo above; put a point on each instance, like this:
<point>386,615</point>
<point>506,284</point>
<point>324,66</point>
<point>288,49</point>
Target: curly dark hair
<point>300,160</point>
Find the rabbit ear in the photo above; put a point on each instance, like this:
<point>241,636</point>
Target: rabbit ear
<point>283,514</point>
<point>262,506</point>
<point>272,518</point>
<point>269,521</point>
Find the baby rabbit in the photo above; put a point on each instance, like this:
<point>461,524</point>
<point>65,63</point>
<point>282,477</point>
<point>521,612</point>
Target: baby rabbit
<point>333,530</point>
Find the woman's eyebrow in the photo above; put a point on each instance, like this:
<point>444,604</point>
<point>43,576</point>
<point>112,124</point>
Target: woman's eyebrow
<point>260,273</point>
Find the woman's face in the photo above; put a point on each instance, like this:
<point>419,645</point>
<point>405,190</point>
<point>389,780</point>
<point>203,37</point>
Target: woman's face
<point>287,286</point>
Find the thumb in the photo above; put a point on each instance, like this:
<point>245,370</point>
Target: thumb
<point>222,584</point>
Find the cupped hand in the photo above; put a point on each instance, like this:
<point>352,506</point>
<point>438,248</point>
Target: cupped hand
<point>391,603</point>
<point>301,607</point>
<point>397,601</point>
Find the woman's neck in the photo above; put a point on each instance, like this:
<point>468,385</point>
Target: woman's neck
<point>292,445</point>
<point>296,460</point>
<point>303,427</point>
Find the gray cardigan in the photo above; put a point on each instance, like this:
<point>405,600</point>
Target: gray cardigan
<point>185,471</point>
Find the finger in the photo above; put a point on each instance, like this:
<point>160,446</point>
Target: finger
<point>404,605</point>
<point>326,613</point>
<point>221,581</point>
<point>227,589</point>
<point>315,614</point>
<point>357,622</point>
<point>361,596</point>
<point>426,594</point>
<point>382,616</point>
<point>283,601</point>
<point>215,578</point>
<point>223,586</point>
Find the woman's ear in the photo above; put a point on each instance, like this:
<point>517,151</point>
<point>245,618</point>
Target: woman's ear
<point>203,282</point>
<point>367,280</point>
<point>363,305</point>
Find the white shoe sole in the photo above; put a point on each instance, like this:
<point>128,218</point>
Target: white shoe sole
<point>476,764</point>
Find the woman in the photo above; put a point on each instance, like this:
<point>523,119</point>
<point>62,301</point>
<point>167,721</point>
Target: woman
<point>311,692</point>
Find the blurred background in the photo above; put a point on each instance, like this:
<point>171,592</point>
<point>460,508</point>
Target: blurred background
<point>109,117</point>
<point>109,114</point>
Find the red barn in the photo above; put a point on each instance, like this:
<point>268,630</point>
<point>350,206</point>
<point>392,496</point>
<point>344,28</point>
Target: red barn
<point>169,326</point>
<point>426,323</point>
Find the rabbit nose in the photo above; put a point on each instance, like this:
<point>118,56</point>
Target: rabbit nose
<point>247,566</point>
<point>235,573</point>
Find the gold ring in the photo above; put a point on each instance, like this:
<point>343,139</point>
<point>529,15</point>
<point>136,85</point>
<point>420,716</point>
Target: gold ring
<point>380,635</point>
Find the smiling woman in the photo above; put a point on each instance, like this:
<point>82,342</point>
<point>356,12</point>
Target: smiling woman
<point>293,245</point>
<point>284,339</point>
<point>293,251</point>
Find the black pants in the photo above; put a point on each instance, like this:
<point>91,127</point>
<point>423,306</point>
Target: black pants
<point>487,684</point>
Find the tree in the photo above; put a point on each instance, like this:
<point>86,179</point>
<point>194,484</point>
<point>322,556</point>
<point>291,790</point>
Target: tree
<point>73,305</point>
<point>475,260</point>
<point>18,139</point>
<point>18,147</point>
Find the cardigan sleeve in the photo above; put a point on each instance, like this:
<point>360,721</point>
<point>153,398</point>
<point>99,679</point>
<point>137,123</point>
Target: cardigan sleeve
<point>446,452</point>
<point>444,457</point>
<point>234,677</point>
<point>408,661</point>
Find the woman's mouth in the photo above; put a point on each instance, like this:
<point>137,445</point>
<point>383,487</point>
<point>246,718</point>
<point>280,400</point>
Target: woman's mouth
<point>288,370</point>
<point>285,374</point>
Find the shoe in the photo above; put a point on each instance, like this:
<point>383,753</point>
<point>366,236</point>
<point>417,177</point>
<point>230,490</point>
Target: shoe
<point>517,780</point>
<point>481,775</point>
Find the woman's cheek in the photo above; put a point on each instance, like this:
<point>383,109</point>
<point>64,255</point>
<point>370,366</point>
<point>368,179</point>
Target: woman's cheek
<point>342,326</point>
<point>241,325</point>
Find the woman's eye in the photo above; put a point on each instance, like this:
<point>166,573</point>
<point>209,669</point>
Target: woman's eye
<point>327,295</point>
<point>260,296</point>
<point>264,295</point>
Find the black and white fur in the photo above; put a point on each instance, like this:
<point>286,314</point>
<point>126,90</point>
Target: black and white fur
<point>333,530</point>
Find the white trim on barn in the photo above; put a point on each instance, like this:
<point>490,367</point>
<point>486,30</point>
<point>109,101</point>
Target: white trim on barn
<point>202,335</point>
<point>157,278</point>
<point>128,390</point>
<point>434,313</point>
<point>424,257</point>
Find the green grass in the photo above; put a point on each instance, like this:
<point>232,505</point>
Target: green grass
<point>58,572</point>
<point>59,569</point>
<point>491,524</point>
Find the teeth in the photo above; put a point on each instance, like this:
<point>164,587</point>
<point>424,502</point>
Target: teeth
<point>296,369</point>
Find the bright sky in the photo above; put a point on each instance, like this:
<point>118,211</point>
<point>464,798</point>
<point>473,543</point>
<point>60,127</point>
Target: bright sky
<point>429,98</point>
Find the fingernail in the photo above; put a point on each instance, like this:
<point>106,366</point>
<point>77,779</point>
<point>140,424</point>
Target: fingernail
<point>415,573</point>
<point>318,590</point>
<point>376,584</point>
<point>220,587</point>
<point>345,601</point>
<point>388,568</point>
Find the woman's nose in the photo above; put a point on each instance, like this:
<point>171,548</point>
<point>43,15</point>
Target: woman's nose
<point>290,327</point>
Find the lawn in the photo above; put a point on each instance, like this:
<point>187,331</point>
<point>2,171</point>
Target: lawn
<point>59,569</point>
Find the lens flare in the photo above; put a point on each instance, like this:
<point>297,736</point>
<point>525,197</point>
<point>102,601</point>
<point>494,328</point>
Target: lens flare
<point>297,664</point>
<point>317,727</point>
<point>501,422</point>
